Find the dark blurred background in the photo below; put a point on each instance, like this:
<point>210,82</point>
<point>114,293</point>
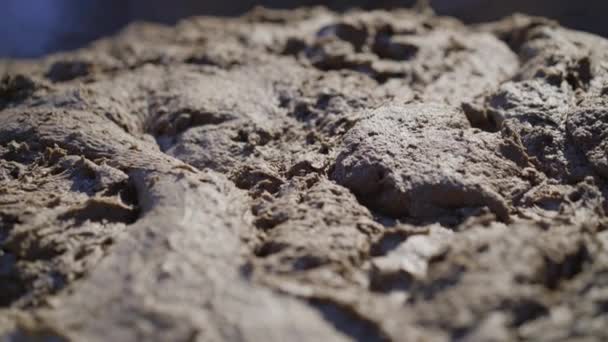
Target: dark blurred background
<point>30,28</point>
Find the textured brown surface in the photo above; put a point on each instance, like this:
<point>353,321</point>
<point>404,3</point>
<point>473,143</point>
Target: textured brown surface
<point>308,176</point>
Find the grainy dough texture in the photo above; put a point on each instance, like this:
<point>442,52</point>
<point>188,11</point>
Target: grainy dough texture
<point>306,175</point>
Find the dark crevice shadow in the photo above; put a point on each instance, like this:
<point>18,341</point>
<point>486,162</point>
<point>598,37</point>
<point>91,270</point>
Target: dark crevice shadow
<point>349,322</point>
